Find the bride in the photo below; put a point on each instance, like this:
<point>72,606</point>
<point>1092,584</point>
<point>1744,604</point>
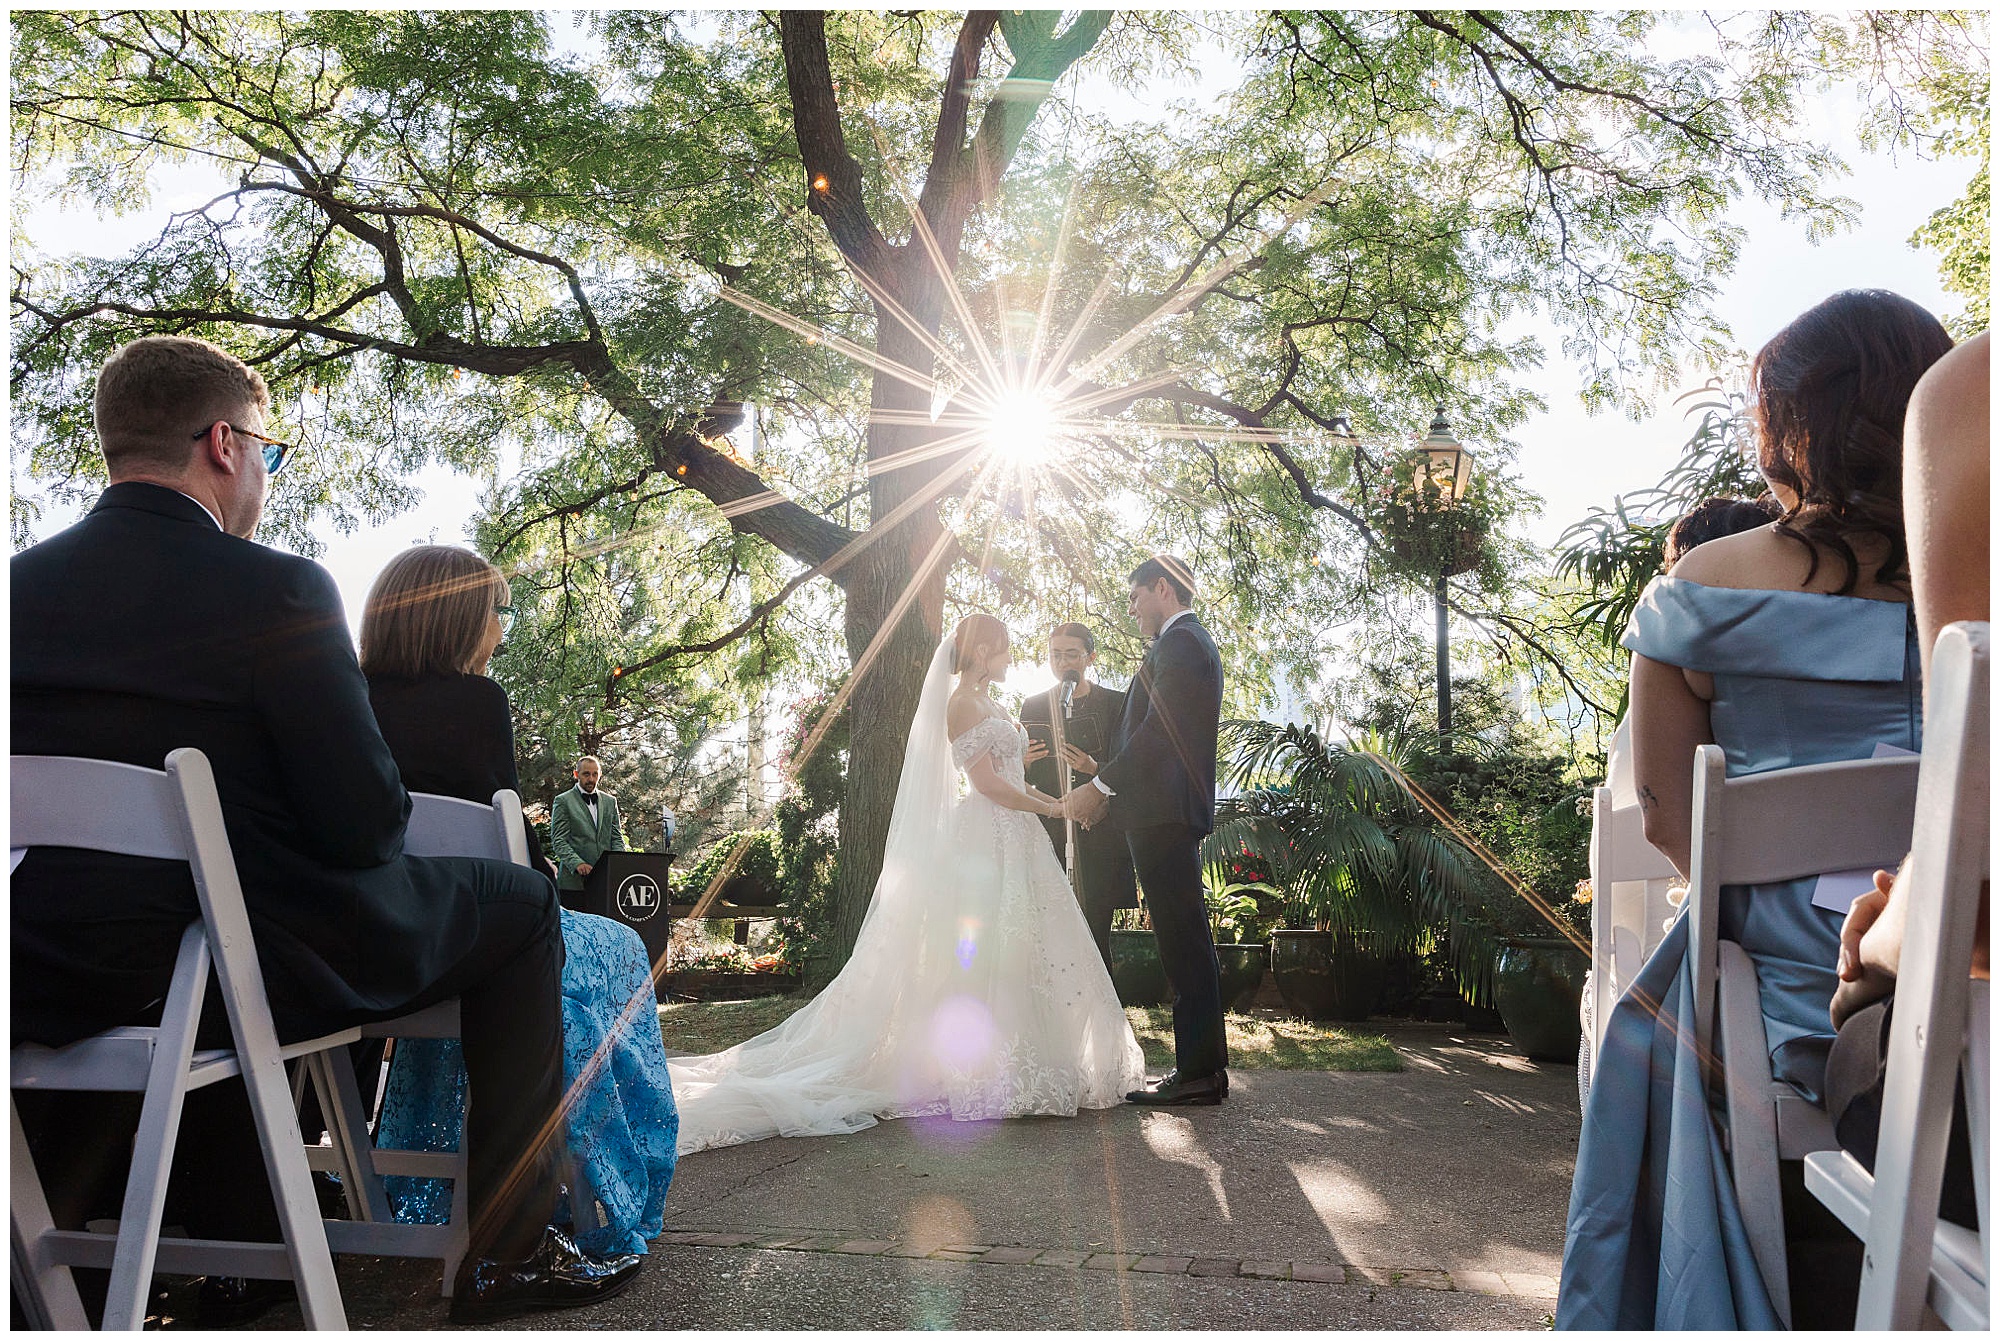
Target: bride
<point>974,991</point>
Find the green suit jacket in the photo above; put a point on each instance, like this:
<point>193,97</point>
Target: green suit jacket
<point>574,840</point>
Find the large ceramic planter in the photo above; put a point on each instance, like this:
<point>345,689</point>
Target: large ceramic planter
<point>1136,970</point>
<point>1324,977</point>
<point>1538,986</point>
<point>1242,972</point>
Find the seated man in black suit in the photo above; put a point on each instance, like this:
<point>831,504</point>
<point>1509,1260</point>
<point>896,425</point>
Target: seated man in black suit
<point>155,623</point>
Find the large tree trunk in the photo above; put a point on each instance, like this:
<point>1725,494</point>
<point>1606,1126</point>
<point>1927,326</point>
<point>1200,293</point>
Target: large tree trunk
<point>904,562</point>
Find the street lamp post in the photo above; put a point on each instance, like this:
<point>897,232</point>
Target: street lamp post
<point>1448,469</point>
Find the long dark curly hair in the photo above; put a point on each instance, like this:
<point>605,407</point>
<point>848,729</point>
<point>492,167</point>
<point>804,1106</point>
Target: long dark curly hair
<point>1831,389</point>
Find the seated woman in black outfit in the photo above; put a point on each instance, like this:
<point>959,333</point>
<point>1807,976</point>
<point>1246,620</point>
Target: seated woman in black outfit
<point>432,622</point>
<point>434,618</point>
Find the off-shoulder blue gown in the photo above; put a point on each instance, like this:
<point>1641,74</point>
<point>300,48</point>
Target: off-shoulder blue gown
<point>1655,1238</point>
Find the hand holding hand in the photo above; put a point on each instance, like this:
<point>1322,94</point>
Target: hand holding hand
<point>1086,805</point>
<point>1861,985</point>
<point>1078,760</point>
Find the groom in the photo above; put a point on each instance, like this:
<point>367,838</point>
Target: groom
<point>1159,787</point>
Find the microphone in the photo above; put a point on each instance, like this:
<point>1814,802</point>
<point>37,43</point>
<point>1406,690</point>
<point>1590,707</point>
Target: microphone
<point>1070,677</point>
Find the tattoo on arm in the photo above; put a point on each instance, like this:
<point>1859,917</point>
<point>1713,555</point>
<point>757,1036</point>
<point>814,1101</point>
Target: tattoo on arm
<point>1647,800</point>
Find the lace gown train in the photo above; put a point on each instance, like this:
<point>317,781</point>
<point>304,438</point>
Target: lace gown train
<point>974,991</point>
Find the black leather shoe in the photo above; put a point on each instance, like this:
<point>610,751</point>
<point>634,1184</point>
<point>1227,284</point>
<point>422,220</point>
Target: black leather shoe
<point>231,1301</point>
<point>1208,1089</point>
<point>558,1274</point>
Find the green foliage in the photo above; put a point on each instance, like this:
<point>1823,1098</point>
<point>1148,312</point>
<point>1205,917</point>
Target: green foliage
<point>761,865</point>
<point>808,824</point>
<point>1340,836</point>
<point>1244,912</point>
<point>1616,551</point>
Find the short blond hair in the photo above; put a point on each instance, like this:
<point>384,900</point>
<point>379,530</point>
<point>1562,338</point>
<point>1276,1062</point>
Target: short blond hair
<point>426,614</point>
<point>156,393</point>
<point>587,759</point>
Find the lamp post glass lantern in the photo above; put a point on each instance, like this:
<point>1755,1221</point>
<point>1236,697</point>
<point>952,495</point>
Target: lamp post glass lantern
<point>1447,468</point>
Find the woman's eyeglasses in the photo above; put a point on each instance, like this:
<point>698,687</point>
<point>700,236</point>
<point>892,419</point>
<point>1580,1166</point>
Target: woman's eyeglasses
<point>506,614</point>
<point>275,452</point>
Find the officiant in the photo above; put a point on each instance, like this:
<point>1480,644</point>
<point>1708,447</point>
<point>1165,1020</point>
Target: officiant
<point>1103,880</point>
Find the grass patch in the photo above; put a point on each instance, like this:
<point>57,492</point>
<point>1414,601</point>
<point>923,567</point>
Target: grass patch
<point>1258,1040</point>
<point>1268,1040</point>
<point>711,1026</point>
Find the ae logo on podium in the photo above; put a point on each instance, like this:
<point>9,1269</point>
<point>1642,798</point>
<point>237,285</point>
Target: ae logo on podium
<point>638,897</point>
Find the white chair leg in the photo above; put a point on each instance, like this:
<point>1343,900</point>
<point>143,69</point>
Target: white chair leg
<point>1753,1120</point>
<point>347,1122</point>
<point>291,1188</point>
<point>153,1146</point>
<point>47,1291</point>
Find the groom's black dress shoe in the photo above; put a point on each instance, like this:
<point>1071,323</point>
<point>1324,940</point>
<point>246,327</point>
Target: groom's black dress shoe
<point>558,1274</point>
<point>1208,1089</point>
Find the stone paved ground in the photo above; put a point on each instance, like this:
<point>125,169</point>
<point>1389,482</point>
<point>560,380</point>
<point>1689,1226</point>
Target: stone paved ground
<point>1429,1199</point>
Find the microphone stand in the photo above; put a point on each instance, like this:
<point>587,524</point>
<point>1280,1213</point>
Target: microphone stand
<point>1059,709</point>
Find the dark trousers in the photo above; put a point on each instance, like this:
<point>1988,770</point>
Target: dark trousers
<point>1168,864</point>
<point>510,989</point>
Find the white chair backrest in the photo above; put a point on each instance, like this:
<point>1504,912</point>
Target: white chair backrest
<point>97,805</point>
<point>1629,879</point>
<point>1783,825</point>
<point>1927,1044</point>
<point>445,826</point>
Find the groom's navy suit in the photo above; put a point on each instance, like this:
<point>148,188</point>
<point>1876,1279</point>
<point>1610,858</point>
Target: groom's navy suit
<point>1161,775</point>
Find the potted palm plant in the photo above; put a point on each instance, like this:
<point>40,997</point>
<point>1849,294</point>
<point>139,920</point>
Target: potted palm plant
<point>1364,870</point>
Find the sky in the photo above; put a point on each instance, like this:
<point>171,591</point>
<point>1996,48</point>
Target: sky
<point>1573,460</point>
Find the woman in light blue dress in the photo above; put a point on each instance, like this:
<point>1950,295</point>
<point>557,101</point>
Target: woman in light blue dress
<point>1786,645</point>
<point>431,624</point>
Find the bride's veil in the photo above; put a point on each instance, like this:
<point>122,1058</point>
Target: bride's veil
<point>829,1068</point>
<point>920,823</point>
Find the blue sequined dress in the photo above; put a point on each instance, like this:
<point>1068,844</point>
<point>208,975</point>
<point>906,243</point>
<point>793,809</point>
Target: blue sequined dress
<point>622,1125</point>
<point>1655,1237</point>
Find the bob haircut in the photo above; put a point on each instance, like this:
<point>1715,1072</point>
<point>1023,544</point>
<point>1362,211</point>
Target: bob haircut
<point>426,614</point>
<point>1831,391</point>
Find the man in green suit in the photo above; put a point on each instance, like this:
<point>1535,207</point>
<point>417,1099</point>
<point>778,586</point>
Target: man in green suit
<point>583,826</point>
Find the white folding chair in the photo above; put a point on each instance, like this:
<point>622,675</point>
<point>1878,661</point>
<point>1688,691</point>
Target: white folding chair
<point>173,816</point>
<point>1629,878</point>
<point>1759,829</point>
<point>1939,1030</point>
<point>440,826</point>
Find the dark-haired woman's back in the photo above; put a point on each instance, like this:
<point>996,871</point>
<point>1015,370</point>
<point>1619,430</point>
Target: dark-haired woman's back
<point>1787,645</point>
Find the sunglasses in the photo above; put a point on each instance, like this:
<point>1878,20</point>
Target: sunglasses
<point>275,452</point>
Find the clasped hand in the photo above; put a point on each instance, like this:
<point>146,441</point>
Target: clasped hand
<point>1085,805</point>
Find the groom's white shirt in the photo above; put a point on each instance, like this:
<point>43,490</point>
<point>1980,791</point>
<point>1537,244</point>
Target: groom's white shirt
<point>1098,782</point>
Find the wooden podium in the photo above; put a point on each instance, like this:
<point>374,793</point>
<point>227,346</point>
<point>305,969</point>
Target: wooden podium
<point>631,887</point>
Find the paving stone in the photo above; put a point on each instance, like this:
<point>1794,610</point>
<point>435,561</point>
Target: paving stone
<point>1425,1280</point>
<point>1062,1257</point>
<point>974,1248</point>
<point>779,1240</point>
<point>1008,1256</point>
<point>719,1240</point>
<point>909,1250</point>
<point>1373,1275</point>
<point>866,1247</point>
<point>1165,1266</point>
<point>1266,1270</point>
<point>1480,1282</point>
<point>1530,1285</point>
<point>1323,1273</point>
<point>1111,1261</point>
<point>681,1236</point>
<point>1212,1266</point>
<point>822,1243</point>
<point>952,1255</point>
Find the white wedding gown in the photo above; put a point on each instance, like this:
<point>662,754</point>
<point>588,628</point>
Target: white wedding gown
<point>974,991</point>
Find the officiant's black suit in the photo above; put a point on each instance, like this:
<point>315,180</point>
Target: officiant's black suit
<point>144,628</point>
<point>1162,779</point>
<point>1104,881</point>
